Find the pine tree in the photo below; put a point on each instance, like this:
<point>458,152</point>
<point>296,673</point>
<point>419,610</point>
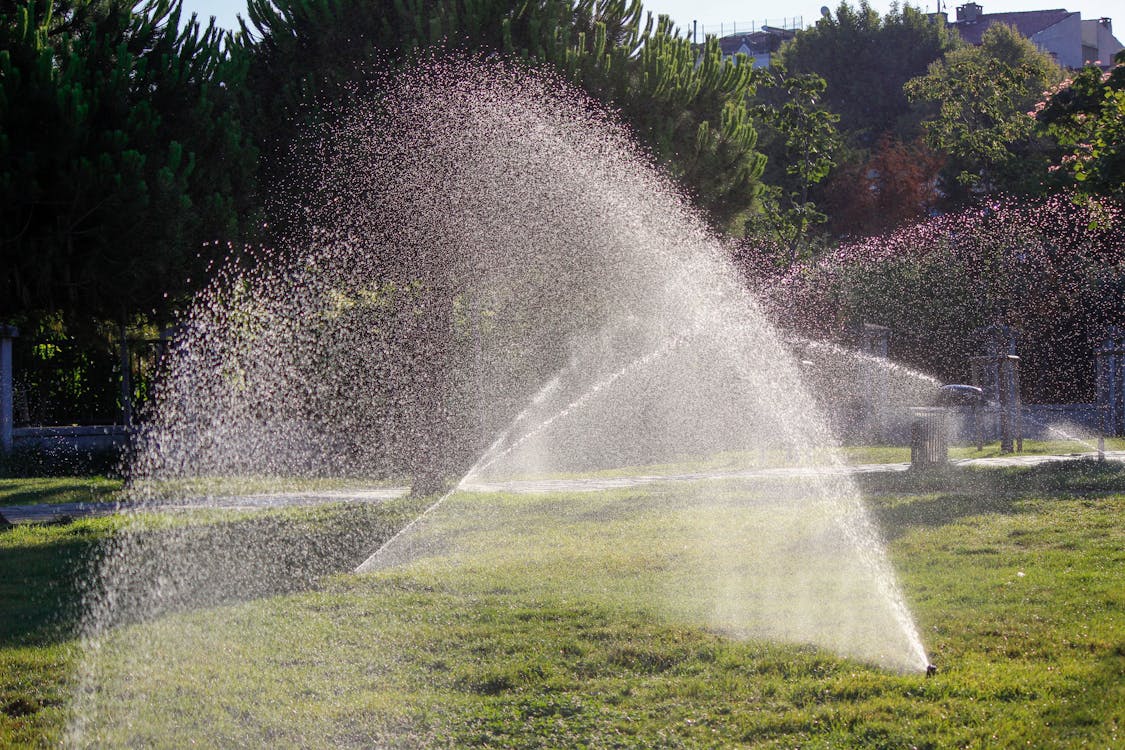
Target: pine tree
<point>305,58</point>
<point>118,157</point>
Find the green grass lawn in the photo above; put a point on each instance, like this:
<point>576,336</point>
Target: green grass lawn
<point>31,491</point>
<point>1013,576</point>
<point>880,454</point>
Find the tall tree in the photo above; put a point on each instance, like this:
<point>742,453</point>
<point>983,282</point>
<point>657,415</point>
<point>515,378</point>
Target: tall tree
<point>865,60</point>
<point>310,62</point>
<point>117,156</point>
<point>689,105</point>
<point>976,101</point>
<point>307,57</point>
<point>895,184</point>
<point>800,141</point>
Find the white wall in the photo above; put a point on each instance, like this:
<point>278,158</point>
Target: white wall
<point>1064,40</point>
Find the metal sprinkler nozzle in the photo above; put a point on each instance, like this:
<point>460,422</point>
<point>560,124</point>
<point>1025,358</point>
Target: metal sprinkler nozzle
<point>931,670</point>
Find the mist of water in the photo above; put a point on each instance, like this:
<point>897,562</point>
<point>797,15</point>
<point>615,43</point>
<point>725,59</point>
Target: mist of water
<point>489,255</point>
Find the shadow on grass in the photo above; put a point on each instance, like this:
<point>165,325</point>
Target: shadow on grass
<point>906,500</point>
<point>53,490</point>
<point>179,564</point>
<point>40,587</point>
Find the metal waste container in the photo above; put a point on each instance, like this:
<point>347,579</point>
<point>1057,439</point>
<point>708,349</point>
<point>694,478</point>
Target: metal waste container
<point>929,441</point>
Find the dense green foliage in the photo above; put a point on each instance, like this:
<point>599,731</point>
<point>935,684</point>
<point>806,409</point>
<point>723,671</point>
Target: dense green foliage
<point>882,177</point>
<point>136,145</point>
<point>119,155</point>
<point>307,61</point>
<point>1086,114</point>
<point>1050,268</point>
<point>800,141</point>
<point>978,98</point>
<point>865,60</point>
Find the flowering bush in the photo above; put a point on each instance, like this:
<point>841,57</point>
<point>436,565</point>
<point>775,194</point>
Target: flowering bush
<point>1053,269</point>
<point>1086,115</point>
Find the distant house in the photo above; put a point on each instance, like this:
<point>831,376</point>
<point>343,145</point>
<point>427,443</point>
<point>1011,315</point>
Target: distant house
<point>1098,42</point>
<point>759,45</point>
<point>1072,41</point>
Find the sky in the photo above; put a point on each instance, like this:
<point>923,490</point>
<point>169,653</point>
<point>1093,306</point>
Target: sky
<point>731,16</point>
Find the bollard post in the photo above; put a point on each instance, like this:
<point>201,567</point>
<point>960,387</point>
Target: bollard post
<point>7,412</point>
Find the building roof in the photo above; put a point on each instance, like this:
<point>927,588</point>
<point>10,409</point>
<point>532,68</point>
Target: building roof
<point>767,40</point>
<point>1028,23</point>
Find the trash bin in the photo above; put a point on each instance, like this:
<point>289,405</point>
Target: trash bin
<point>929,444</point>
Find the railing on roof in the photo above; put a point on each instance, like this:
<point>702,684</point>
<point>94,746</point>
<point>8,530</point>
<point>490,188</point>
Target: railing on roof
<point>730,28</point>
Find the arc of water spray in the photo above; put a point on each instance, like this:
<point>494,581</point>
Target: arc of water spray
<point>888,365</point>
<point>486,460</point>
<point>369,563</point>
<point>857,526</point>
<point>641,361</point>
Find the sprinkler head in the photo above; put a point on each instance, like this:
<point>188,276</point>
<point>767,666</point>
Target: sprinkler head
<point>931,670</point>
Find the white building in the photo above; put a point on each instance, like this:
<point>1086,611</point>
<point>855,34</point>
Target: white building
<point>1073,42</point>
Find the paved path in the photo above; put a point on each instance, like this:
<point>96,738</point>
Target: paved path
<point>50,512</point>
<point>1026,460</point>
<point>783,472</point>
<point>45,513</point>
<point>638,480</point>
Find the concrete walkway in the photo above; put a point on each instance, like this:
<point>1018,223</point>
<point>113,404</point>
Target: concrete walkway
<point>48,513</point>
<point>55,512</point>
<point>783,472</point>
<point>1026,460</point>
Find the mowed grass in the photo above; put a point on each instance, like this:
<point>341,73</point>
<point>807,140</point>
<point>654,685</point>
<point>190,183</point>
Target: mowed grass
<point>37,490</point>
<point>1014,578</point>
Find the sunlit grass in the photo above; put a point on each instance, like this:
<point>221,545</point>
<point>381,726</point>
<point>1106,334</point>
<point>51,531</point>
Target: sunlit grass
<point>100,489</point>
<point>87,489</point>
<point>1013,576</point>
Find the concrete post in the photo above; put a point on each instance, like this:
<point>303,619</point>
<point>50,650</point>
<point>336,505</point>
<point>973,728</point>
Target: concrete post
<point>1003,374</point>
<point>1111,383</point>
<point>7,413</point>
<point>996,371</point>
<point>874,341</point>
<point>126,380</point>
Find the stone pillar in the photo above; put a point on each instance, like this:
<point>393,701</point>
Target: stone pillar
<point>997,372</point>
<point>7,414</point>
<point>874,341</point>
<point>1111,383</point>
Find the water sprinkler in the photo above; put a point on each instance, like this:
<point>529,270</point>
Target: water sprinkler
<point>931,670</point>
